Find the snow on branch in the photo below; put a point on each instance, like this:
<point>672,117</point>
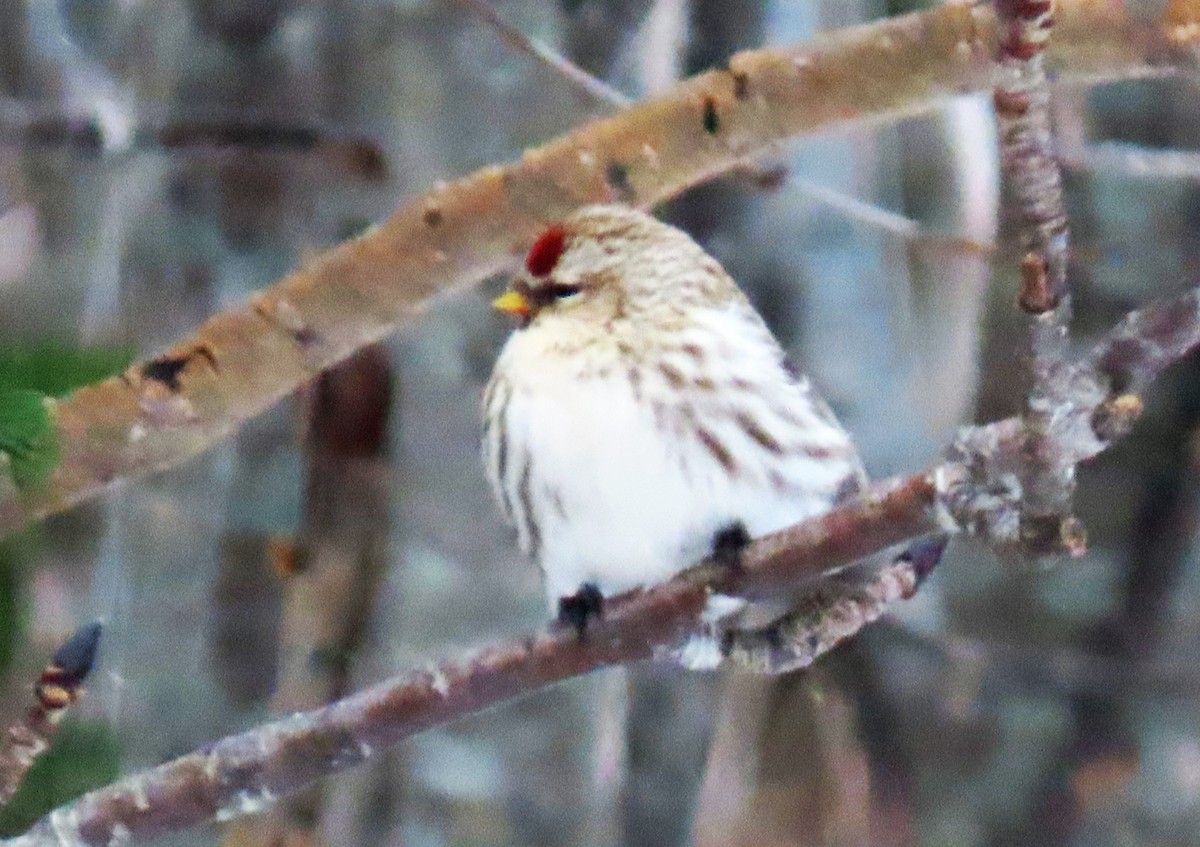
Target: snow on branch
<point>165,410</point>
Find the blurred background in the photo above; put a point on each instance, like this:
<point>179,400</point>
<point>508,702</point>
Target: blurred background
<point>161,160</point>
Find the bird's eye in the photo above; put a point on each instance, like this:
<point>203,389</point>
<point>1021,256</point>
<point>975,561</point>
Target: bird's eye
<point>562,292</point>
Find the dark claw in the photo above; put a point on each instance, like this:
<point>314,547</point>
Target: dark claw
<point>728,543</point>
<point>925,554</point>
<point>575,611</point>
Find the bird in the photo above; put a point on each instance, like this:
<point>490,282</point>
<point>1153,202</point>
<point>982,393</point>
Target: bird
<point>642,417</point>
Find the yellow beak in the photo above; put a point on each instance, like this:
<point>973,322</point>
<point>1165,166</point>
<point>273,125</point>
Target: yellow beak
<point>512,303</point>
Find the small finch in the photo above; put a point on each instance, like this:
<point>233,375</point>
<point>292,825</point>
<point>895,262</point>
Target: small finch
<point>643,417</point>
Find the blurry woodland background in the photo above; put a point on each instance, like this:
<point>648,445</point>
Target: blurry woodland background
<point>159,160</point>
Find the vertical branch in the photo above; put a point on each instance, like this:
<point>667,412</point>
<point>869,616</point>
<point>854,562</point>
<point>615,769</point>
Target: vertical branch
<point>1022,99</point>
<point>342,558</point>
<point>59,685</point>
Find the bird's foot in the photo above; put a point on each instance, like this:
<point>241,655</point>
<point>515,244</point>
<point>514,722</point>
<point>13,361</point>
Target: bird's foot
<point>579,608</point>
<point>728,542</point>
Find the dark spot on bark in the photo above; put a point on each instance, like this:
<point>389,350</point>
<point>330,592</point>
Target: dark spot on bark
<point>433,217</point>
<point>712,122</point>
<point>206,353</point>
<point>166,370</point>
<point>770,178</point>
<point>617,176</point>
<point>741,85</point>
<point>306,337</point>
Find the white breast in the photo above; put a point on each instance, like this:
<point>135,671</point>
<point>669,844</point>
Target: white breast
<point>618,470</point>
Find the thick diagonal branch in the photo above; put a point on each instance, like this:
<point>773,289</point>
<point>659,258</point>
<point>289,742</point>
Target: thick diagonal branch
<point>166,410</point>
<point>241,774</point>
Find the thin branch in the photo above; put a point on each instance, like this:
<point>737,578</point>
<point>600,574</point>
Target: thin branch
<point>59,685</point>
<point>895,223</point>
<point>209,132</point>
<point>163,411</point>
<point>1034,182</point>
<point>1022,99</point>
<point>594,87</point>
<point>1133,160</point>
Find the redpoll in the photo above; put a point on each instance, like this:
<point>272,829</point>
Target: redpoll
<point>643,415</point>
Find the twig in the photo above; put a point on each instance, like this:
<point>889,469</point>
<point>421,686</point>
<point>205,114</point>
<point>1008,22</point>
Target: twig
<point>1101,404</point>
<point>594,87</point>
<point>895,223</point>
<point>60,685</point>
<point>1132,160</point>
<point>1022,99</point>
<point>168,409</point>
<point>211,132</point>
<point>764,177</point>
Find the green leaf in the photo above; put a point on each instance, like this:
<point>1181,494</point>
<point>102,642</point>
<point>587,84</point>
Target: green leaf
<point>83,757</point>
<point>15,551</point>
<point>56,368</point>
<point>27,436</point>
